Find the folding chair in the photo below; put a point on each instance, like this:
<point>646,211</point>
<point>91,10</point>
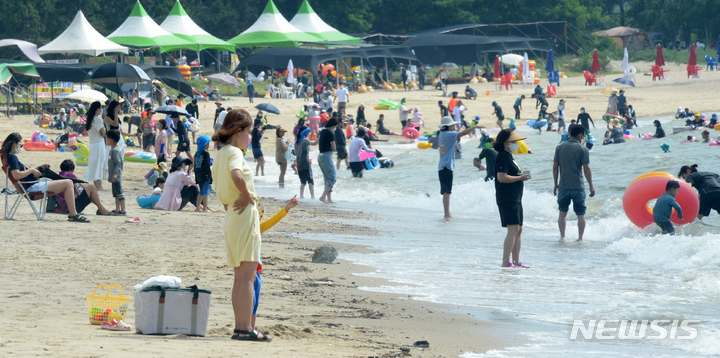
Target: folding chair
<point>22,193</point>
<point>554,77</point>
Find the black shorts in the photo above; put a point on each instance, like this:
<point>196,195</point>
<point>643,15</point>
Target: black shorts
<point>446,181</point>
<point>501,118</point>
<point>383,131</point>
<point>82,201</point>
<point>117,191</point>
<point>306,177</point>
<point>148,140</point>
<point>403,123</point>
<point>183,146</point>
<point>257,153</point>
<point>356,168</point>
<point>708,202</point>
<point>510,214</point>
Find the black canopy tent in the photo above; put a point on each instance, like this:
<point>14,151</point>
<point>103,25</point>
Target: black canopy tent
<point>277,58</point>
<point>170,75</point>
<point>466,49</point>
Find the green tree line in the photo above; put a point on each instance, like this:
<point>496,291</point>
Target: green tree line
<point>40,21</point>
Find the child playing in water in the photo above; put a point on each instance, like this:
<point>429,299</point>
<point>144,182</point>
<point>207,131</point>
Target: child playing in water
<point>664,206</point>
<point>203,174</point>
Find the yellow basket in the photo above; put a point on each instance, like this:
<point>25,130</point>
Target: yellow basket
<point>107,307</point>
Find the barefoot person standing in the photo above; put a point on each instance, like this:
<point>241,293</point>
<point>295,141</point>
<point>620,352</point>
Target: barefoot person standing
<point>236,191</point>
<point>448,139</point>
<point>571,161</point>
<point>508,194</point>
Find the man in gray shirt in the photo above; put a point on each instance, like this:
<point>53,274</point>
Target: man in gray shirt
<point>302,152</point>
<point>570,158</point>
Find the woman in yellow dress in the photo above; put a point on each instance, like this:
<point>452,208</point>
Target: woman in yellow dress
<point>236,191</point>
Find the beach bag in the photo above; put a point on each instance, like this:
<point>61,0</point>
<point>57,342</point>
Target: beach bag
<point>162,310</point>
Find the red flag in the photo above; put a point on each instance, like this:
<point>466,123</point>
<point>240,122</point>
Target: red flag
<point>496,69</point>
<point>692,61</point>
<point>596,62</point>
<point>659,58</point>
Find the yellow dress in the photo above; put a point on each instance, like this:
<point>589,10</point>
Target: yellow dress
<point>242,232</point>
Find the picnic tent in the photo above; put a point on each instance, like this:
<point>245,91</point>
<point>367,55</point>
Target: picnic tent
<point>466,49</point>
<point>271,30</point>
<point>20,72</point>
<point>625,37</point>
<point>81,37</point>
<point>140,31</point>
<point>181,25</point>
<point>308,21</point>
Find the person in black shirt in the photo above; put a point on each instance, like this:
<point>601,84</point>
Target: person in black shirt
<point>659,131</point>
<point>708,186</point>
<point>508,194</point>
<point>421,78</point>
<point>499,113</point>
<point>203,174</point>
<point>489,154</point>
<point>183,140</point>
<point>326,144</point>
<point>381,126</point>
<point>584,117</point>
<point>217,111</point>
<point>443,110</point>
<point>360,119</point>
<point>340,144</point>
<point>257,134</point>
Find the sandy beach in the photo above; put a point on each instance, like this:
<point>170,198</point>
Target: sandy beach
<point>313,310</point>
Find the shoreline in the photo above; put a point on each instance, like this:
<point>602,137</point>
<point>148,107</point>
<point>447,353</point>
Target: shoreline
<point>312,310</point>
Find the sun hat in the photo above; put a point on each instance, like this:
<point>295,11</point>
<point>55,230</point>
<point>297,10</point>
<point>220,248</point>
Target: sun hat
<point>446,121</point>
<point>202,142</point>
<point>62,110</point>
<point>179,161</point>
<point>514,137</point>
<point>665,147</point>
<point>163,166</point>
<point>218,102</point>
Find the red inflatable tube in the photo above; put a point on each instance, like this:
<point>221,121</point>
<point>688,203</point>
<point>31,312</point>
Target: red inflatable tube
<point>640,192</point>
<point>39,146</point>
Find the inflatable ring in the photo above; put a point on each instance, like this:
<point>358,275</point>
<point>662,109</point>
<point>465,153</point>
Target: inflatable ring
<point>609,117</point>
<point>523,148</point>
<point>410,133</point>
<point>39,146</point>
<point>140,157</point>
<point>649,187</point>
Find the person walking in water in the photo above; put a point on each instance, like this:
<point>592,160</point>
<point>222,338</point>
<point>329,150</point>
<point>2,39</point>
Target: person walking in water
<point>448,139</point>
<point>571,161</point>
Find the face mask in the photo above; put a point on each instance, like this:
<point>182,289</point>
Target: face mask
<point>514,147</point>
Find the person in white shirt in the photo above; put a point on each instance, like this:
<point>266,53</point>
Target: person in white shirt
<point>342,96</point>
<point>357,166</point>
<point>458,114</point>
<point>404,112</point>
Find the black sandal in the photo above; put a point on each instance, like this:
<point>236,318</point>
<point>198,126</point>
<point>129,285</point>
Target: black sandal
<point>78,219</point>
<point>251,336</point>
<point>99,213</point>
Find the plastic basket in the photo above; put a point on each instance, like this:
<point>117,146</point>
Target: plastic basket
<point>107,307</point>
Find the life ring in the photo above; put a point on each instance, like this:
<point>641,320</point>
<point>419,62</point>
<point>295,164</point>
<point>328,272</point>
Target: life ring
<point>607,117</point>
<point>424,145</point>
<point>39,147</point>
<point>147,201</point>
<point>193,124</point>
<point>140,157</point>
<point>534,124</point>
<point>714,144</point>
<point>648,137</point>
<point>628,136</point>
<point>717,127</point>
<point>649,187</point>
<point>410,133</point>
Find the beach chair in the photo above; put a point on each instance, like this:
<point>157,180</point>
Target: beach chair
<point>711,63</point>
<point>505,80</point>
<point>554,77</point>
<point>590,79</point>
<point>21,193</point>
<point>692,71</point>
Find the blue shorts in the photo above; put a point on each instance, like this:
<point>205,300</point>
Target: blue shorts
<point>578,199</point>
<point>325,160</point>
<point>204,188</point>
<point>257,287</point>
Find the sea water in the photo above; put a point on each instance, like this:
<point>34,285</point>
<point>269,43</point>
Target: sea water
<point>618,272</point>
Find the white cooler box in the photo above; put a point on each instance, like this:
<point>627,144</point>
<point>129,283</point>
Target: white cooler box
<point>161,310</point>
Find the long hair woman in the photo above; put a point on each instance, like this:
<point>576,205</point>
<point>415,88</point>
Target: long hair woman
<point>236,191</point>
<point>97,169</point>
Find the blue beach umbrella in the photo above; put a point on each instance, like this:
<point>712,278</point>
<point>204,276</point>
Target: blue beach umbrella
<point>550,66</point>
<point>625,81</point>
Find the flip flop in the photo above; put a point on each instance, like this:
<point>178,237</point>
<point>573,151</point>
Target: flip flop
<point>134,220</point>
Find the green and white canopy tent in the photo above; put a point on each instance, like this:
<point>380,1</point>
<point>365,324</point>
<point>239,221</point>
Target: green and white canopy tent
<point>181,25</point>
<point>308,21</point>
<point>271,30</point>
<point>140,31</point>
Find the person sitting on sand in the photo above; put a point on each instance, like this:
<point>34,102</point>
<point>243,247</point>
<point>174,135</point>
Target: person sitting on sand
<point>381,126</point>
<point>84,194</point>
<point>181,189</point>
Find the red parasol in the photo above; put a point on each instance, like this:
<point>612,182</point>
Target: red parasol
<point>692,61</point>
<point>659,58</point>
<point>496,69</point>
<point>596,62</point>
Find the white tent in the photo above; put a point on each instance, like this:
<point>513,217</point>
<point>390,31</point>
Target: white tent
<point>81,37</point>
